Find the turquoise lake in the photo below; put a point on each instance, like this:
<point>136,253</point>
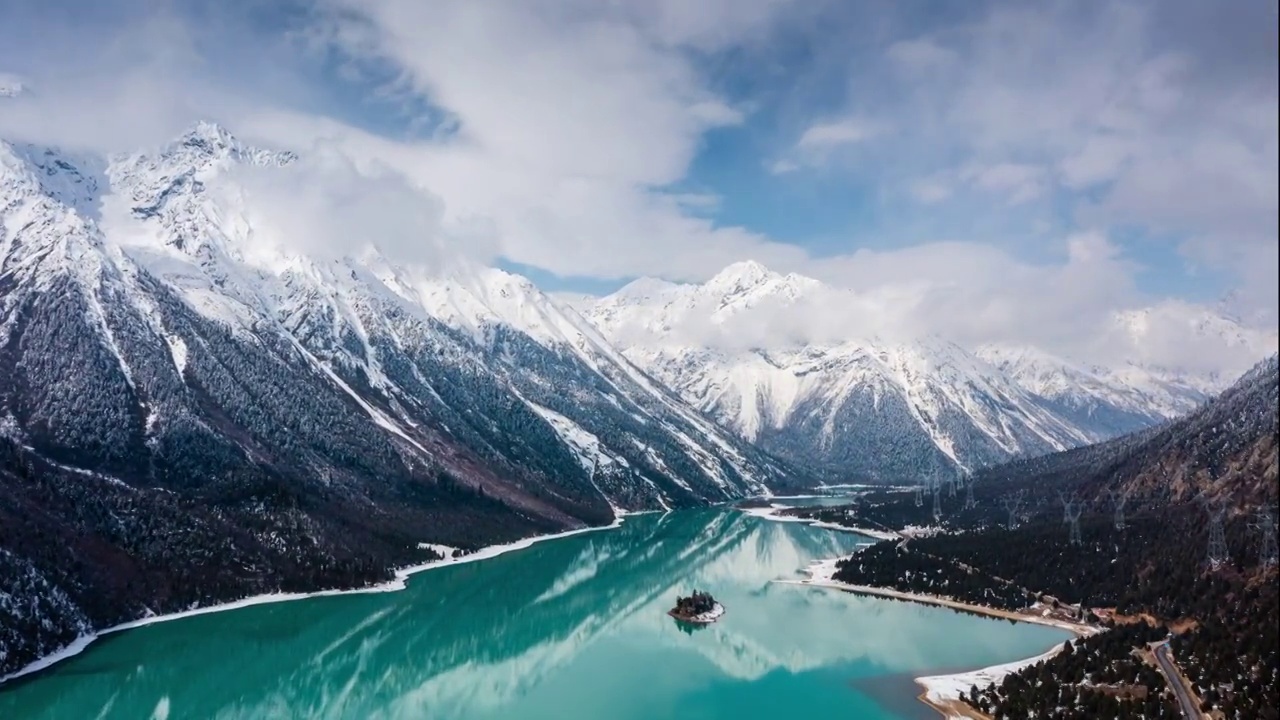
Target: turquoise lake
<point>565,629</point>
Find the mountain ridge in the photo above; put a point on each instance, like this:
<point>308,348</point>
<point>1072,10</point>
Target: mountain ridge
<point>192,412</point>
<point>764,354</point>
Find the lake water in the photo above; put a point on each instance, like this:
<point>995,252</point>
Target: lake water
<point>566,629</point>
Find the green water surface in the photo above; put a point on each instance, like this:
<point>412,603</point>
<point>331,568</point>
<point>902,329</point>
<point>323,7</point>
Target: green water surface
<point>566,629</point>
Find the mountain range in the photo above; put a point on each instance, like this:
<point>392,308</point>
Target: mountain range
<point>150,330</point>
<point>191,412</point>
<point>742,347</point>
<point>1225,449</point>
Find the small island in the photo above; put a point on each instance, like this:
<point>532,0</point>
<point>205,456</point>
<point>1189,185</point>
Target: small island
<point>699,608</point>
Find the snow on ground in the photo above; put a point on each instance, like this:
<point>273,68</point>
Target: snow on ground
<point>398,583</point>
<point>821,574</point>
<point>444,551</point>
<point>709,616</point>
<point>939,689</point>
<point>771,513</point>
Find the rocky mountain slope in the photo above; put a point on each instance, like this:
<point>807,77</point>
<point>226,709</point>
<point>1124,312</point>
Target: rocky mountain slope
<point>190,413</point>
<point>750,347</point>
<point>1225,449</point>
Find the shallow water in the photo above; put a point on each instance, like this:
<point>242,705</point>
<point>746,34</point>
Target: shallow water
<point>566,629</point>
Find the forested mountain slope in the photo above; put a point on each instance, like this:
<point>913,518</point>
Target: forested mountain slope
<point>1225,448</point>
<point>191,412</point>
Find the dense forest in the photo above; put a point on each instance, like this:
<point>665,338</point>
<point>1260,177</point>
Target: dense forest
<point>1155,567</point>
<point>1174,532</point>
<point>1095,678</point>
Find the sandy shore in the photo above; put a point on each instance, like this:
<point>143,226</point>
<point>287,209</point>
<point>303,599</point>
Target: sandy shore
<point>942,692</point>
<point>397,583</point>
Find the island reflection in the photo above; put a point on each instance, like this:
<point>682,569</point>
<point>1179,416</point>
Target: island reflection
<point>531,634</point>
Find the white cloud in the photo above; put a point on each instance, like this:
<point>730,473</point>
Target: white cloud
<point>328,206</point>
<point>920,55</point>
<point>783,166</point>
<point>568,123</point>
<point>11,85</point>
<point>931,190</point>
<point>1017,181</point>
<point>1155,118</point>
<point>821,140</point>
<point>837,132</point>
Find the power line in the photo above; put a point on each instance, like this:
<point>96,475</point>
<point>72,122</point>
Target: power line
<point>1218,553</point>
<point>1013,503</point>
<point>1118,500</point>
<point>1071,509</point>
<point>1266,527</point>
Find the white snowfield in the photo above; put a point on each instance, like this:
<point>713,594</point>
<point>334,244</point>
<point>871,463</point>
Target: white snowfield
<point>763,351</point>
<point>771,513</point>
<point>943,688</point>
<point>940,689</point>
<point>194,216</point>
<point>710,616</point>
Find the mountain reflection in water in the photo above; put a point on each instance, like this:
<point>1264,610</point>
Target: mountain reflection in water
<point>572,628</point>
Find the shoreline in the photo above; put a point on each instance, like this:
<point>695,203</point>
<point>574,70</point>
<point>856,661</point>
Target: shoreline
<point>771,513</point>
<point>395,584</point>
<point>942,692</point>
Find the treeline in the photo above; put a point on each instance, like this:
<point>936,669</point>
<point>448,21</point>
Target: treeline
<point>1093,678</point>
<point>81,552</point>
<point>889,565</point>
<point>1155,566</point>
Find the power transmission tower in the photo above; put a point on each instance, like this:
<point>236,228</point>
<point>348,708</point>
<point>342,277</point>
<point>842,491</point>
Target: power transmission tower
<point>1118,500</point>
<point>1071,509</point>
<point>1266,527</point>
<point>920,495</point>
<point>1066,507</point>
<point>937,501</point>
<point>1012,504</point>
<point>1218,554</point>
<point>1073,517</point>
<point>951,486</point>
<point>969,503</point>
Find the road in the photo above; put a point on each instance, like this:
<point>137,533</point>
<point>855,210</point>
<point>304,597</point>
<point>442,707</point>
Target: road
<point>1190,708</point>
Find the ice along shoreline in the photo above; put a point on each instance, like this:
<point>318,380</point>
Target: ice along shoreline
<point>395,584</point>
<point>773,513</point>
<point>942,692</point>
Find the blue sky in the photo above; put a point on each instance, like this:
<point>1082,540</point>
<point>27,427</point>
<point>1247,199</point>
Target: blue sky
<point>1096,156</point>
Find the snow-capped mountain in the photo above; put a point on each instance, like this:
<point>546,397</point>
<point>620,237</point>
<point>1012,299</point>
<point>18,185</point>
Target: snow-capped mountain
<point>10,85</point>
<point>742,347</point>
<point>186,397</point>
<point>158,281</point>
<point>1104,401</point>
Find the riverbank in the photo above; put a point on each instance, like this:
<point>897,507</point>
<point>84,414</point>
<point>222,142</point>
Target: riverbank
<point>942,692</point>
<point>773,513</point>
<point>397,583</point>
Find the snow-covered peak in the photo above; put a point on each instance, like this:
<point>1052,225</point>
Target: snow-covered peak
<point>209,141</point>
<point>748,282</point>
<point>1132,388</point>
<point>740,276</point>
<point>743,301</point>
<point>1190,344</point>
<point>644,290</point>
<point>75,181</point>
<point>11,85</point>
